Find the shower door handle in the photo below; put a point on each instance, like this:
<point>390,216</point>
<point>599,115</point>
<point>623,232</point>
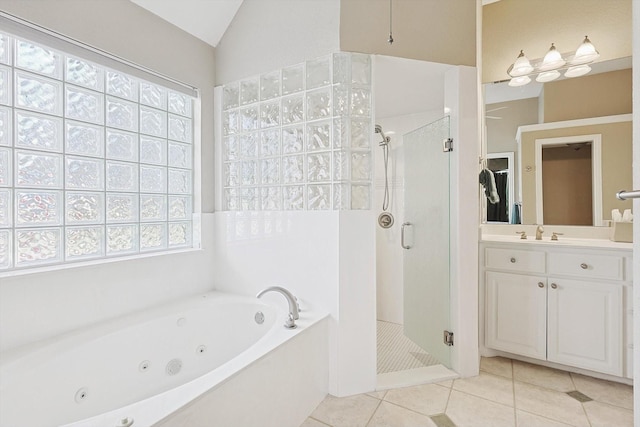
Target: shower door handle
<point>404,224</point>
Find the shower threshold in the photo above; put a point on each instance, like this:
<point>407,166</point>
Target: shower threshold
<point>417,376</point>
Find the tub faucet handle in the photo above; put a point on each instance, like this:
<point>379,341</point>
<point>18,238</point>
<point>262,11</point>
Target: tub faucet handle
<point>290,323</point>
<point>294,314</point>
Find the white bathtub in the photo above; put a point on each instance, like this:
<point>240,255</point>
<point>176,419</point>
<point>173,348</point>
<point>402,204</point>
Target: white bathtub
<point>142,368</point>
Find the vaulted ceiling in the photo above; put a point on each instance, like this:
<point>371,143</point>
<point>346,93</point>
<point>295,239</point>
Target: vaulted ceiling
<point>204,19</point>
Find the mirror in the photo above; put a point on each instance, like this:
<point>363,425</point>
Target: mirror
<point>553,127</point>
<point>565,171</point>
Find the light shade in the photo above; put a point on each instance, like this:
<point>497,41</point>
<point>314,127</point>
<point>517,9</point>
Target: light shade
<point>519,81</point>
<point>521,67</point>
<point>547,76</point>
<point>552,60</point>
<point>586,52</point>
<point>577,71</point>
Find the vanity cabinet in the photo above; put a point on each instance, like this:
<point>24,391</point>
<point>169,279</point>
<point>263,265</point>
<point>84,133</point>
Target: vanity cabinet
<point>584,324</point>
<point>558,304</point>
<point>516,307</point>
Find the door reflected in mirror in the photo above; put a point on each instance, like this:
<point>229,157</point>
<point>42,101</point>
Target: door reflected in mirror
<point>501,165</point>
<point>567,187</point>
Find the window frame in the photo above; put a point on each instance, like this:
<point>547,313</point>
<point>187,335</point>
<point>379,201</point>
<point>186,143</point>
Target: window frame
<point>107,63</point>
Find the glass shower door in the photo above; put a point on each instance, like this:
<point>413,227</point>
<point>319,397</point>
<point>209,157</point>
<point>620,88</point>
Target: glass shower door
<point>425,238</point>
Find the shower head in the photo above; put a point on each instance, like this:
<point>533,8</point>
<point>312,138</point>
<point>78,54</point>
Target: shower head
<point>385,139</point>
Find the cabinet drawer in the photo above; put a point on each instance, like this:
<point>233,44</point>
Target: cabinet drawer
<point>515,260</point>
<point>587,265</point>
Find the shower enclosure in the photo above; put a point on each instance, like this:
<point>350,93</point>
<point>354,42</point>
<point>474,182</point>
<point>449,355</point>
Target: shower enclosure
<point>426,239</point>
<point>426,270</point>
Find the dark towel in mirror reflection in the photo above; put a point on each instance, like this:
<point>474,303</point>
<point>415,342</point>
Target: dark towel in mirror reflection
<point>499,211</point>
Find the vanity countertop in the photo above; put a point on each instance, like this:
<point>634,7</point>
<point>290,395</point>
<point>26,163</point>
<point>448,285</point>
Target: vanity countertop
<point>561,242</point>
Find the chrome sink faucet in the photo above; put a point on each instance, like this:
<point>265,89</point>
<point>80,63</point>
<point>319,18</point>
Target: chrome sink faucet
<point>294,314</point>
<point>539,231</point>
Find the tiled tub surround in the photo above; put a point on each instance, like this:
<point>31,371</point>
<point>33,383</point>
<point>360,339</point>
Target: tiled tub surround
<point>147,365</point>
<point>300,138</point>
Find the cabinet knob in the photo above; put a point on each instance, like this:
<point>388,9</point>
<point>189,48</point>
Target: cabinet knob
<point>540,285</point>
<point>513,260</point>
<point>584,266</point>
<point>554,286</point>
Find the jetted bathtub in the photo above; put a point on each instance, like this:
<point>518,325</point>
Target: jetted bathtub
<point>156,365</point>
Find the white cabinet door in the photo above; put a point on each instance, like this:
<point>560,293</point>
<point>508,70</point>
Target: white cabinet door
<point>516,309</point>
<point>585,324</point>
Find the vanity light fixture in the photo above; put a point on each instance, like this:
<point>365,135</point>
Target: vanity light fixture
<point>574,64</point>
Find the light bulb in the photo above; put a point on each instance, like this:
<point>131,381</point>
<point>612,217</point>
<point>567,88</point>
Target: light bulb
<point>552,60</point>
<point>521,67</point>
<point>548,76</point>
<point>585,53</point>
<point>519,81</point>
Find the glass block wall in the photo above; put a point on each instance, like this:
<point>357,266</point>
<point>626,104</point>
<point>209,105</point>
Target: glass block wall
<point>94,163</point>
<point>299,138</point>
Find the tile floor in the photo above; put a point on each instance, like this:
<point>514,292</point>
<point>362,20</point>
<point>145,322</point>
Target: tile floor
<point>506,393</point>
<point>397,352</point>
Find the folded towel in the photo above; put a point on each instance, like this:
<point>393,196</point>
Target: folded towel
<point>616,216</point>
<point>489,183</point>
<point>516,214</point>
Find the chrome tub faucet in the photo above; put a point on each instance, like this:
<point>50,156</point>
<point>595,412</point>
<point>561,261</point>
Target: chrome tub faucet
<point>294,314</point>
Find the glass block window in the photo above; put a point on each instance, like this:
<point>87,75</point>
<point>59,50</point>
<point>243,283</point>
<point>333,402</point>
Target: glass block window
<point>299,138</point>
<point>94,163</point>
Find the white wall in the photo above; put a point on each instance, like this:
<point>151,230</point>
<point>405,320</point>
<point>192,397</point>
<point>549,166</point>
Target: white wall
<point>461,88</point>
<point>35,306</point>
<point>268,35</point>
